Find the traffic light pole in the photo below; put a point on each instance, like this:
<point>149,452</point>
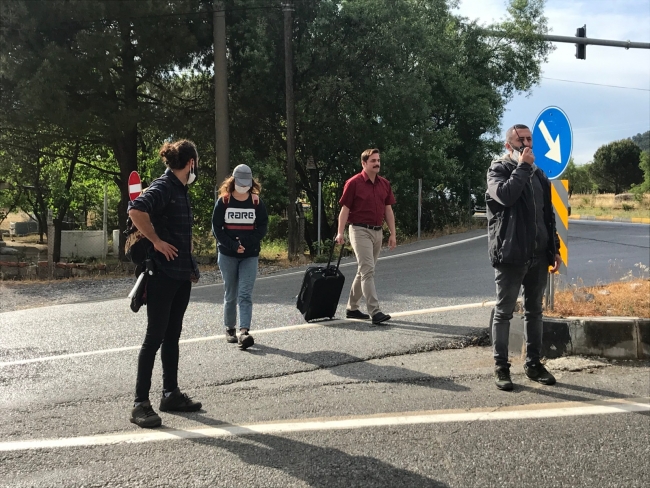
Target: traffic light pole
<point>581,40</point>
<point>596,42</point>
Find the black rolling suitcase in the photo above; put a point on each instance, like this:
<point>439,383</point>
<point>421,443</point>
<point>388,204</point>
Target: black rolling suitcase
<point>321,290</point>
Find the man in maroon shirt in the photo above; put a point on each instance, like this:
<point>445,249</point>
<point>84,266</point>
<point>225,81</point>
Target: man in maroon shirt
<point>365,203</point>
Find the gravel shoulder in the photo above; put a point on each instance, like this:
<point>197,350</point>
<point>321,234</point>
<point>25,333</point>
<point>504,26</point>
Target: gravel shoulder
<point>20,295</point>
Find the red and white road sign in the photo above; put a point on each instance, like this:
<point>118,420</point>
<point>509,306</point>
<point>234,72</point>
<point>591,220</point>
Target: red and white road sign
<point>135,185</point>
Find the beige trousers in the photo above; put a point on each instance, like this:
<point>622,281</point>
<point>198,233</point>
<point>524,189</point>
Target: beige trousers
<point>366,244</point>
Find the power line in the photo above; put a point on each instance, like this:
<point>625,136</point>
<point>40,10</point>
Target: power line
<point>596,84</point>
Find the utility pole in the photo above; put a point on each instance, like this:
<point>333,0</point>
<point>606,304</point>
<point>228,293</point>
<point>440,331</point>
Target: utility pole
<point>293,240</point>
<point>220,93</point>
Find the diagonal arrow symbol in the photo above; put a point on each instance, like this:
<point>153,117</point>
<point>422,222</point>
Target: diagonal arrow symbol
<point>554,146</point>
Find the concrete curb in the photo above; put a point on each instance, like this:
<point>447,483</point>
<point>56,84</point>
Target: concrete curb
<point>609,337</point>
<point>611,218</point>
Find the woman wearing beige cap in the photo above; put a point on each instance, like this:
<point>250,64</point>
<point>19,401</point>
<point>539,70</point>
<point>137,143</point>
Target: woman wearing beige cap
<point>239,222</point>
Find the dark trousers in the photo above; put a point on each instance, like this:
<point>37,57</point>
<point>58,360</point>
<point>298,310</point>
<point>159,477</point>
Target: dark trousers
<point>509,279</point>
<point>167,301</point>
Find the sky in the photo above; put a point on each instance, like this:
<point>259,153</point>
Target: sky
<point>598,114</point>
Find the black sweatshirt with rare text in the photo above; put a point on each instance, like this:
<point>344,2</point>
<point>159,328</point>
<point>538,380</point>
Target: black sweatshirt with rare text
<point>236,223</point>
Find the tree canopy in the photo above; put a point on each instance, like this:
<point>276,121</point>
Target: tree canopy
<point>642,140</point>
<point>616,166</point>
<point>97,71</point>
<point>116,78</point>
<point>579,178</point>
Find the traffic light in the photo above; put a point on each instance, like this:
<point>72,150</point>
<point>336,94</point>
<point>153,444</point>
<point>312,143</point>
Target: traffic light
<point>581,49</point>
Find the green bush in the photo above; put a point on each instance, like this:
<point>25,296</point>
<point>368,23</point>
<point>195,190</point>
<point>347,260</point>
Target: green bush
<point>320,258</point>
<point>326,248</point>
<point>204,242</point>
<point>278,229</point>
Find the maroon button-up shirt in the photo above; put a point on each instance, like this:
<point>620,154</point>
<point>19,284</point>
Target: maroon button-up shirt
<point>367,200</point>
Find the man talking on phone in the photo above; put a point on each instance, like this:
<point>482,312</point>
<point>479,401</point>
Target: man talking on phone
<point>522,244</point>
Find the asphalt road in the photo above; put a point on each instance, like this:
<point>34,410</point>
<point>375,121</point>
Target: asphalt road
<point>601,252</point>
<point>334,403</point>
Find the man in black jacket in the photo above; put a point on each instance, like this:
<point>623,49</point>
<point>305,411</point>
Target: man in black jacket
<point>164,215</point>
<point>522,244</point>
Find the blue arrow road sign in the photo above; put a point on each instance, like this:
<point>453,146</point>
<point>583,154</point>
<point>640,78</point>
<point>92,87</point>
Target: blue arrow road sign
<point>552,141</point>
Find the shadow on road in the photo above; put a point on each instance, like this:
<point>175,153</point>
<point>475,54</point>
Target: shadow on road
<point>455,330</point>
<point>360,369</point>
<point>579,393</point>
<point>319,467</point>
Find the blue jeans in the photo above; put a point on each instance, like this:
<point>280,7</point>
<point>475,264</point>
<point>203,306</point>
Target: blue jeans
<point>238,280</point>
<point>509,279</point>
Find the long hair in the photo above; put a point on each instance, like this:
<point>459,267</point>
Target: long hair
<point>228,186</point>
<point>177,154</point>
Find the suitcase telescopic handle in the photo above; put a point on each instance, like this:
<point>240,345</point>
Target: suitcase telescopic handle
<point>329,259</point>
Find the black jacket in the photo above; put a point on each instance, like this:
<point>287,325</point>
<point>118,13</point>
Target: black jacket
<point>167,202</point>
<point>510,210</point>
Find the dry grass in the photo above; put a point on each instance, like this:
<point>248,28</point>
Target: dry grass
<point>620,299</point>
<point>605,204</point>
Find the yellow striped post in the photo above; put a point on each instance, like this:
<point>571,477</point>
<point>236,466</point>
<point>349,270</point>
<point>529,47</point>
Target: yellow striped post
<point>560,201</point>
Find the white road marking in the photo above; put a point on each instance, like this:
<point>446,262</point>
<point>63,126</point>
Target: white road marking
<point>278,275</point>
<point>308,325</point>
<point>519,412</point>
<point>450,244</point>
<point>354,263</point>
